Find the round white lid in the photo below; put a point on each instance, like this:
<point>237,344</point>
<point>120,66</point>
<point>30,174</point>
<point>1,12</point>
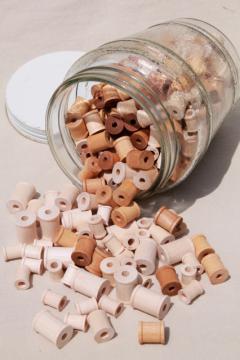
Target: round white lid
<point>30,89</point>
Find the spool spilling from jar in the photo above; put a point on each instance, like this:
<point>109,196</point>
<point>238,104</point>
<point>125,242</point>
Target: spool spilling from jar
<point>152,104</point>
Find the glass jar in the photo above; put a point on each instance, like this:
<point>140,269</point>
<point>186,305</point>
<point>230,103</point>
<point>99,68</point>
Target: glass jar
<point>184,74</point>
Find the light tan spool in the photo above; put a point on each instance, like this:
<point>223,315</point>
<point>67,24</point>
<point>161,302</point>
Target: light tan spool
<point>151,332</point>
<point>202,246</point>
<point>215,269</point>
<point>125,214</point>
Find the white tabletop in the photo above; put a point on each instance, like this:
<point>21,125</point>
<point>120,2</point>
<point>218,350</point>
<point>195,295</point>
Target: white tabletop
<point>209,199</point>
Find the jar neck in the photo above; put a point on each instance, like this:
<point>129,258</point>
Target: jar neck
<point>137,88</point>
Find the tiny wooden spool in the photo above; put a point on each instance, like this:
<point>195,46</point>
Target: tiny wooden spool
<point>140,160</point>
<point>97,227</point>
<point>90,285</point>
<point>57,301</point>
<point>97,257</point>
<point>188,274</point>
<point>140,139</point>
<point>104,196</point>
<point>77,129</point>
<point>107,159</point>
<point>77,321</point>
<point>125,214</point>
<point>66,199</point>
<point>52,328</point>
<point>143,119</point>
<point>126,108</point>
<point>202,247</point>
<point>215,269</point>
<point>160,235</point>
<point>55,269</point>
<point>168,219</point>
<point>131,124</point>
<point>126,278</point>
<point>145,256</point>
<point>123,146</point>
<point>92,185</point>
<point>26,226</point>
<point>83,251</point>
<point>113,244</point>
<point>144,179</point>
<point>49,218</point>
<point>190,292</point>
<point>108,267</point>
<point>119,172</point>
<point>93,122</point>
<point>114,124</point>
<point>99,142</point>
<point>110,306</point>
<point>125,193</point>
<point>91,168</point>
<point>100,326</point>
<point>172,252</point>
<point>65,238</point>
<point>150,302</point>
<point>87,201</point>
<point>151,332</point>
<point>78,109</point>
<point>168,280</point>
<point>110,96</point>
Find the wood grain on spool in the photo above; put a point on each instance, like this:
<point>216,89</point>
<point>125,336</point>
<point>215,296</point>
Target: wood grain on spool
<point>168,219</point>
<point>151,332</point>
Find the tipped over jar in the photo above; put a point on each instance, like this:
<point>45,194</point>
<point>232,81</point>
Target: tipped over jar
<point>140,112</point>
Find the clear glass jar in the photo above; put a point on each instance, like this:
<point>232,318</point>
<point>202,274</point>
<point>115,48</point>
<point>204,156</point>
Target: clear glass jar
<point>183,73</point>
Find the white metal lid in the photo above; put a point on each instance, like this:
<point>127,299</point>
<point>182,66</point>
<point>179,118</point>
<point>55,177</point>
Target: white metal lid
<point>30,88</point>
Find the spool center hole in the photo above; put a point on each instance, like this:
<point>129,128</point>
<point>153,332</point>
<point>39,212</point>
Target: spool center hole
<point>131,241</point>
<point>24,218</point>
<point>125,273</point>
<point>54,265</point>
<point>64,336</point>
<point>104,334</point>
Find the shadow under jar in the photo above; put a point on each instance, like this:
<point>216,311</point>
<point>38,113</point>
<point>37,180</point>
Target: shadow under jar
<point>184,74</point>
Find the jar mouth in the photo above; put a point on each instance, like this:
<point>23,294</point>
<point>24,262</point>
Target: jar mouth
<point>61,143</point>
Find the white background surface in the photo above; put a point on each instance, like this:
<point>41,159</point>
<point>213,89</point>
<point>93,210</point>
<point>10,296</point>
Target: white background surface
<point>209,199</point>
